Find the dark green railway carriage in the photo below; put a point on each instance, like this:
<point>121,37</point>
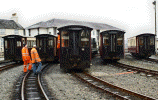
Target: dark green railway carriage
<point>75,47</point>
<point>112,45</point>
<point>46,46</point>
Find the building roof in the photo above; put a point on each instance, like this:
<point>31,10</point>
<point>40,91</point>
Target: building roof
<point>63,22</point>
<point>9,24</point>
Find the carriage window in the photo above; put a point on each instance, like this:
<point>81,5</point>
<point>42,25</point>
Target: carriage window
<point>37,42</point>
<point>140,40</point>
<point>152,40</point>
<point>85,38</point>
<point>31,44</point>
<point>34,42</point>
<point>18,43</point>
<point>28,44</point>
<point>65,39</point>
<point>40,42</point>
<point>50,43</point>
<point>105,39</point>
<point>120,40</point>
<point>23,41</point>
<point>54,42</point>
<point>6,44</point>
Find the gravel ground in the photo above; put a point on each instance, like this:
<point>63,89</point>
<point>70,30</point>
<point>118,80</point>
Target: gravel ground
<point>7,78</point>
<point>67,87</point>
<point>138,63</point>
<point>135,82</point>
<point>154,57</point>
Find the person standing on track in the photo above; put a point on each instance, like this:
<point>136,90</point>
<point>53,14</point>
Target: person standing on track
<point>26,58</point>
<point>35,60</point>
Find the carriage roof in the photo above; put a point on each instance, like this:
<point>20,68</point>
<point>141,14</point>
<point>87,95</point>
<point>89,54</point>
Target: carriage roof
<point>74,27</point>
<point>143,34</point>
<point>12,36</point>
<point>45,35</point>
<point>112,32</point>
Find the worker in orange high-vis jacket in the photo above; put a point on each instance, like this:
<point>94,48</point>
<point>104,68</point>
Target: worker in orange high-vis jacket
<point>58,42</point>
<point>26,58</point>
<point>35,60</point>
<point>58,46</point>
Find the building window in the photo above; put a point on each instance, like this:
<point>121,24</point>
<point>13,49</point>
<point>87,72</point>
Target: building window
<point>16,31</point>
<point>30,32</point>
<point>2,31</point>
<point>55,28</point>
<point>2,41</point>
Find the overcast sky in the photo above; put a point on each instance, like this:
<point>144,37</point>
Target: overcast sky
<point>133,16</point>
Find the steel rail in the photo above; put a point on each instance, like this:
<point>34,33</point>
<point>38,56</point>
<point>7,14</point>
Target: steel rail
<point>100,88</point>
<point>23,85</point>
<point>40,85</point>
<point>148,71</point>
<point>7,66</point>
<point>4,61</point>
<point>23,97</point>
<point>122,89</point>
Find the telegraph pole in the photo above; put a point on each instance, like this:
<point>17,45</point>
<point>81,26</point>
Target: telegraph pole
<point>154,3</point>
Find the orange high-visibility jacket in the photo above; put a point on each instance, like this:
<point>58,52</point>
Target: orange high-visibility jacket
<point>25,54</point>
<point>35,56</point>
<point>58,45</point>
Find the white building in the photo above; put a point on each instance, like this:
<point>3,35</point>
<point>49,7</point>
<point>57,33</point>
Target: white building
<point>50,27</point>
<point>9,27</point>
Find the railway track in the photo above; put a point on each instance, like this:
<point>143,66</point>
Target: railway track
<point>4,61</point>
<point>32,88</point>
<point>115,91</point>
<point>8,66</point>
<point>147,59</point>
<point>137,69</point>
<point>152,60</point>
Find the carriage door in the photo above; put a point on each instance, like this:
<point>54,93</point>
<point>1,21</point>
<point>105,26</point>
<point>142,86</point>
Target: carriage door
<point>146,42</point>
<point>113,42</point>
<point>11,49</point>
<point>64,47</point>
<point>75,47</point>
<point>85,45</point>
<point>50,48</point>
<point>44,45</point>
<point>18,48</point>
<point>141,44</point>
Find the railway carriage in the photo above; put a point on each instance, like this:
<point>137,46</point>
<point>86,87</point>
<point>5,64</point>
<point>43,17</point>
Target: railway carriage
<point>47,47</point>
<point>111,45</point>
<point>75,47</point>
<point>142,45</point>
<point>13,45</point>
